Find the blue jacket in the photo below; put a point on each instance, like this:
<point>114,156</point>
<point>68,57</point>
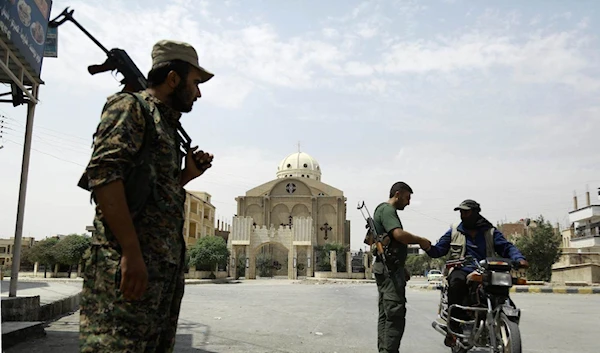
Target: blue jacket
<point>476,247</point>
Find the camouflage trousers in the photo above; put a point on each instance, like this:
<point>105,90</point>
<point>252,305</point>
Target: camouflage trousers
<point>109,323</point>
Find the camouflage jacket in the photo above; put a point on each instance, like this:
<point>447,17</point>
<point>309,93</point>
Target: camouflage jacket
<point>118,138</point>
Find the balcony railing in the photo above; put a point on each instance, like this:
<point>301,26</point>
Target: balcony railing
<point>593,232</point>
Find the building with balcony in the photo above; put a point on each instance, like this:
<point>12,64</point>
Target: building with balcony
<point>199,217</point>
<point>585,224</point>
<point>580,259</point>
<point>7,248</point>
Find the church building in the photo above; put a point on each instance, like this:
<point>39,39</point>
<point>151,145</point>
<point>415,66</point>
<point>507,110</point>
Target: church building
<point>279,223</point>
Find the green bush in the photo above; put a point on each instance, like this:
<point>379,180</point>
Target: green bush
<point>208,252</point>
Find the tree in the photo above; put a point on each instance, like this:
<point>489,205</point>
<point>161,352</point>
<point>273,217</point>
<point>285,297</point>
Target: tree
<point>208,252</point>
<point>541,246</point>
<point>322,252</point>
<point>69,250</point>
<point>43,252</point>
<point>417,264</point>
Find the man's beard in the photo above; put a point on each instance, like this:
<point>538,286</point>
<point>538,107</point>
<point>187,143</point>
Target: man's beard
<point>180,99</point>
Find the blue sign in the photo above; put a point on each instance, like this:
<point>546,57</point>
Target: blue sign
<point>51,47</point>
<point>24,24</point>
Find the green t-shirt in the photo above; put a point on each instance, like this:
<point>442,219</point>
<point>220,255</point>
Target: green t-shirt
<point>386,220</point>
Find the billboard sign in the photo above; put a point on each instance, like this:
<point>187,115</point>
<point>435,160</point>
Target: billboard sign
<point>24,23</point>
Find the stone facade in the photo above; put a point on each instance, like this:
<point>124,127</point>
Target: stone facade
<point>296,211</point>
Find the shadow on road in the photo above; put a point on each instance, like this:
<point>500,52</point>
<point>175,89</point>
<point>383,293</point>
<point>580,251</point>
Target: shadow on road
<point>23,285</point>
<point>63,337</point>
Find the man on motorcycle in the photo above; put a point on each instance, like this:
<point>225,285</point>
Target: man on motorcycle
<point>474,236</point>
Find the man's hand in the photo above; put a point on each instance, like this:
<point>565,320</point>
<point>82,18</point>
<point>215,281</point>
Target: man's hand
<point>196,163</point>
<point>425,244</point>
<point>523,264</point>
<point>406,275</point>
<point>134,276</point>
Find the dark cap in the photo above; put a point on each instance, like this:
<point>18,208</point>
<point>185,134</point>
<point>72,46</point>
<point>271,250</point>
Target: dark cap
<point>468,205</point>
<point>167,50</point>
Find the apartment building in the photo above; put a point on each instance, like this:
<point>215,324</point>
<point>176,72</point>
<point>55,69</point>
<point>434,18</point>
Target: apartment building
<point>7,248</point>
<point>199,217</point>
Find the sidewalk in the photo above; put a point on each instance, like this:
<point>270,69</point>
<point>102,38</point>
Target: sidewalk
<point>58,297</point>
<point>49,289</point>
<point>37,301</point>
<point>530,289</point>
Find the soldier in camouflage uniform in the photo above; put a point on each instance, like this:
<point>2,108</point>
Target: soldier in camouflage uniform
<point>134,271</point>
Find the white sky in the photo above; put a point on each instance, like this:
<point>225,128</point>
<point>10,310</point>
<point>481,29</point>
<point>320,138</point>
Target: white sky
<point>460,99</point>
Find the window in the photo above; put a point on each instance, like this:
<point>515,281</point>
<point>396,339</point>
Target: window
<point>305,165</point>
<point>290,188</point>
<point>289,165</point>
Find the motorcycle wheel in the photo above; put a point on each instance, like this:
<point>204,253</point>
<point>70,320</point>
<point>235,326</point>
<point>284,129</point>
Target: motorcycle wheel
<point>509,334</point>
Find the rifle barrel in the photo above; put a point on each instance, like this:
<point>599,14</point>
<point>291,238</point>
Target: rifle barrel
<point>69,16</point>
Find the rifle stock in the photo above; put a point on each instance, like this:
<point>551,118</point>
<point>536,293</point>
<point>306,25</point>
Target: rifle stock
<point>372,237</point>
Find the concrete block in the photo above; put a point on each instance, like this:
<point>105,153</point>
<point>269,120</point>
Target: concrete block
<point>19,331</point>
<point>60,307</point>
<point>20,308</point>
<point>576,284</point>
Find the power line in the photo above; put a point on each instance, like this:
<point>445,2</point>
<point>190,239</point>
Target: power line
<point>47,154</point>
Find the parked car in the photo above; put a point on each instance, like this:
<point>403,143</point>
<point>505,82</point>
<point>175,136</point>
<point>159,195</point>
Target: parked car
<point>434,276</point>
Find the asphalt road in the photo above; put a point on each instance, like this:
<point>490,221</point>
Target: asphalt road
<point>278,316</point>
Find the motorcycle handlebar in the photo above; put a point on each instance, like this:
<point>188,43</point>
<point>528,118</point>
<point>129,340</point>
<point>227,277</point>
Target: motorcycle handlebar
<point>470,260</point>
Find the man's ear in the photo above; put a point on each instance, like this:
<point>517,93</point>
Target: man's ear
<point>173,79</point>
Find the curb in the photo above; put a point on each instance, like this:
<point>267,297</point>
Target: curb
<point>338,280</point>
<point>56,309</point>
<point>532,289</point>
<point>212,281</point>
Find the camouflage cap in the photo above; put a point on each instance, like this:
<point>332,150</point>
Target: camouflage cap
<point>167,50</point>
<point>468,205</point>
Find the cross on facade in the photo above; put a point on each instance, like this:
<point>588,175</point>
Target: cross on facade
<point>290,188</point>
<point>326,228</point>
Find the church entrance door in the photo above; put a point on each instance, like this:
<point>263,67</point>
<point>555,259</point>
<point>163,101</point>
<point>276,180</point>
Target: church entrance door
<point>272,261</point>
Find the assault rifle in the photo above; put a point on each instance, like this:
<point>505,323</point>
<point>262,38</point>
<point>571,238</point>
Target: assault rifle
<point>372,237</point>
<point>119,60</point>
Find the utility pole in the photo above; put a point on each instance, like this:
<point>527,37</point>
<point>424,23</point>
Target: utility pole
<point>16,264</point>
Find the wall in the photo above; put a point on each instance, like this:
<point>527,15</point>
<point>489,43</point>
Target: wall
<point>585,242</point>
<point>340,275</point>
<point>204,274</point>
<point>589,273</point>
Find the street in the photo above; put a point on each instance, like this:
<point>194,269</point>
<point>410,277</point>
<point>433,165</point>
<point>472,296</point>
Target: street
<point>282,316</point>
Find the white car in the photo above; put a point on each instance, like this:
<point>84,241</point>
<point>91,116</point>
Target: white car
<point>434,276</point>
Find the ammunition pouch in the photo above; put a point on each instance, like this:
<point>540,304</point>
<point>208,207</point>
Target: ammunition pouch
<point>393,260</point>
<point>140,179</point>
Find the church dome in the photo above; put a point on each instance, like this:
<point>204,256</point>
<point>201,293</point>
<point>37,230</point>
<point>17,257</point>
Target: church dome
<point>299,165</point>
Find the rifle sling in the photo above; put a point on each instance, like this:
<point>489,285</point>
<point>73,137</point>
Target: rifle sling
<point>134,188</point>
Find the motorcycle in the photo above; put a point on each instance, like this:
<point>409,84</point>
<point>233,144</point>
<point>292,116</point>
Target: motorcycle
<point>494,317</point>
